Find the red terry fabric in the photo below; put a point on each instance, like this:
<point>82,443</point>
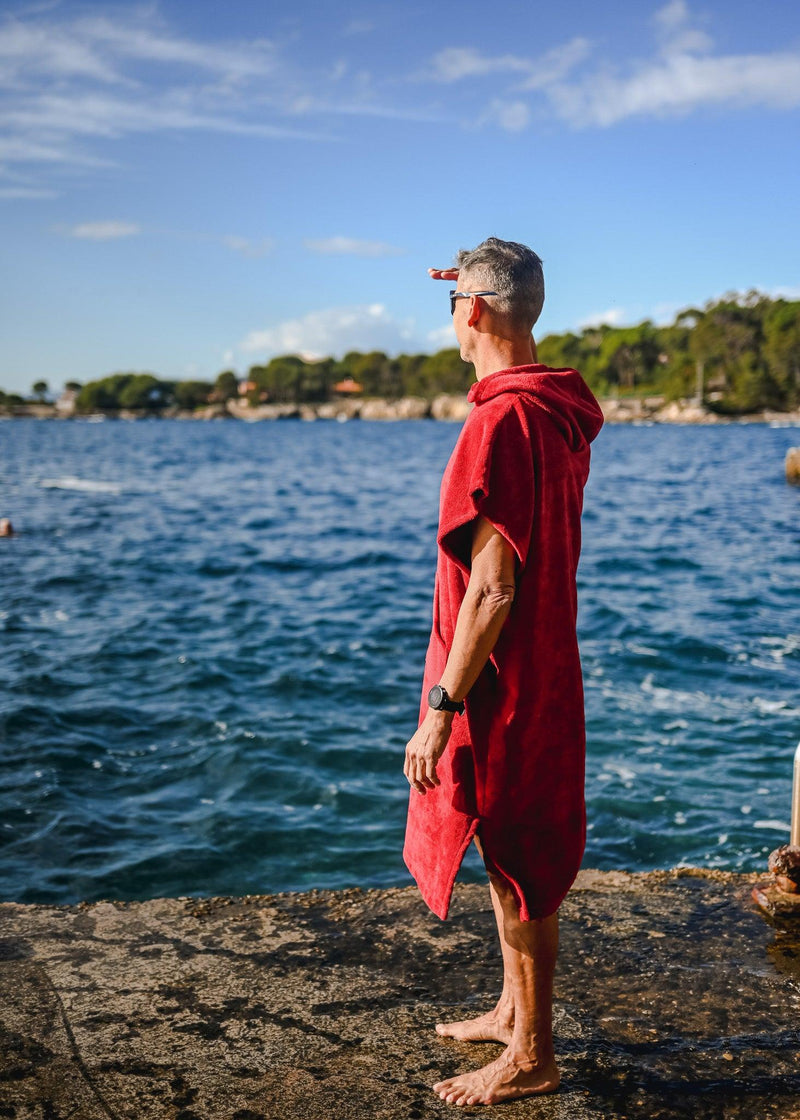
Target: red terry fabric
<point>513,770</point>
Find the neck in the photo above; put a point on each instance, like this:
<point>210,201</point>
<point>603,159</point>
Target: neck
<point>503,353</point>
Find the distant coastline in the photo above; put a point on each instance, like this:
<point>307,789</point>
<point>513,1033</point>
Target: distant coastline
<point>453,407</point>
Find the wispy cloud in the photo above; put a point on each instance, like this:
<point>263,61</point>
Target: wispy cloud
<point>453,64</point>
<point>442,338</point>
<point>613,317</point>
<point>27,192</point>
<point>71,83</point>
<point>332,331</point>
<point>511,116</point>
<point>681,84</point>
<point>114,230</point>
<point>248,247</point>
<point>557,63</point>
<point>682,75</point>
<point>104,231</point>
<point>358,27</point>
<point>352,247</point>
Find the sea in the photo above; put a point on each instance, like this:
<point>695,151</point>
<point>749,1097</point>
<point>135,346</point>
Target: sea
<point>212,639</point>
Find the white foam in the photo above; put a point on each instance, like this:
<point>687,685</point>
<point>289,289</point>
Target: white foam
<point>779,826</point>
<point>773,707</point>
<point>624,773</point>
<point>88,485</point>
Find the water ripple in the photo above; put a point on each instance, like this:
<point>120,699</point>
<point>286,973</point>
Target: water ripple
<point>213,639</point>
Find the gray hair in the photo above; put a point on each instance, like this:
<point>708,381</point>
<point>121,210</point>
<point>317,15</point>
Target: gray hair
<point>513,271</point>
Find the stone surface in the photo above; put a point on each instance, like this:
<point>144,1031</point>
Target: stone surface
<point>451,406</point>
<point>406,408</point>
<point>784,863</point>
<point>674,998</point>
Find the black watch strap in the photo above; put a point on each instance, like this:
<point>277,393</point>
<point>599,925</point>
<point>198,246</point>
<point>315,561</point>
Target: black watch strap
<point>441,702</point>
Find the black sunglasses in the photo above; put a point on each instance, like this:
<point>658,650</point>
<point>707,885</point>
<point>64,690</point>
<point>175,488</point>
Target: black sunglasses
<point>454,295</point>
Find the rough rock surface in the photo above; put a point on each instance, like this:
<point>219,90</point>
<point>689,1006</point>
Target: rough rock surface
<point>451,406</point>
<point>674,998</point>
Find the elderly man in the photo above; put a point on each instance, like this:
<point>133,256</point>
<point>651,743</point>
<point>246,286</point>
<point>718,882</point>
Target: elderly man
<point>499,753</point>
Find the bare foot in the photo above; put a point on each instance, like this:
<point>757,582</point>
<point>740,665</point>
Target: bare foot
<point>502,1080</point>
<point>491,1027</point>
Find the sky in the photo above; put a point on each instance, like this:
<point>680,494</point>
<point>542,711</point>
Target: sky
<point>188,186</point>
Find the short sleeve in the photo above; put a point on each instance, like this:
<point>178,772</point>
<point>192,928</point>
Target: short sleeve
<point>490,474</point>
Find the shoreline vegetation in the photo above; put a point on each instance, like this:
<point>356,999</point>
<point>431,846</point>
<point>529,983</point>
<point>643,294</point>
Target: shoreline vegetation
<point>737,358</point>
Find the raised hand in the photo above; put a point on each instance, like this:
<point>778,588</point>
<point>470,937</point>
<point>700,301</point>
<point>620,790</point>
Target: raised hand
<point>443,273</point>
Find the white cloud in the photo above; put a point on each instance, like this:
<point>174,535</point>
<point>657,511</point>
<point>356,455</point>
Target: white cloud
<point>557,63</point>
<point>681,76</point>
<point>108,116</point>
<point>140,39</point>
<point>442,338</point>
<point>104,231</point>
<point>30,48</point>
<point>511,116</point>
<point>96,48</point>
<point>672,16</point>
<point>680,84</point>
<point>613,317</point>
<point>673,24</point>
<point>248,247</point>
<point>332,331</point>
<point>455,63</point>
<point>352,246</point>
<point>26,192</point>
<point>69,81</point>
<point>358,27</point>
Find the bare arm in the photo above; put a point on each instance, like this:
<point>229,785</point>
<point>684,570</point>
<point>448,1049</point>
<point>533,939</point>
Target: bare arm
<point>485,607</point>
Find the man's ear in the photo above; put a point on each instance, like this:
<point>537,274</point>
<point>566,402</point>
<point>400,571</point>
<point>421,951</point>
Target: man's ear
<point>475,310</point>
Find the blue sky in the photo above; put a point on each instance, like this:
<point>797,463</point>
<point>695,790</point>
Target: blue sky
<point>186,186</point>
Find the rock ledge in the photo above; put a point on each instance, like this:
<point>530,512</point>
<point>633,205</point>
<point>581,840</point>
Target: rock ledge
<point>674,998</point>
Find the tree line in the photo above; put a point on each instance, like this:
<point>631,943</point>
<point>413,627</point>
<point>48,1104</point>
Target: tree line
<point>738,354</point>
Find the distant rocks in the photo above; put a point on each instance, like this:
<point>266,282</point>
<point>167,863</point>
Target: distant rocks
<point>454,407</point>
<point>406,408</point>
<point>640,409</point>
<point>451,406</point>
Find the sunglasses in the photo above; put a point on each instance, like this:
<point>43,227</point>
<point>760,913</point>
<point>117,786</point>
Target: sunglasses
<point>454,295</point>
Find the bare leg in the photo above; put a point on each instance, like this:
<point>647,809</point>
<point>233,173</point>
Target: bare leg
<point>527,1065</point>
<point>496,1025</point>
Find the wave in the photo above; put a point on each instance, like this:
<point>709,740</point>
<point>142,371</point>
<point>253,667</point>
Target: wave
<point>88,485</point>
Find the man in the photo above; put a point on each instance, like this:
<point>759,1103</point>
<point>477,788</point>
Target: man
<point>499,753</point>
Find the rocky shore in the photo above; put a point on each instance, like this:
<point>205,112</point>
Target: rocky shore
<point>447,406</point>
<point>674,998</point>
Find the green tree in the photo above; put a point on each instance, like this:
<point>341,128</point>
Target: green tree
<point>145,391</point>
<point>226,387</point>
<point>192,394</point>
<point>782,349</point>
<point>40,390</point>
<point>102,395</point>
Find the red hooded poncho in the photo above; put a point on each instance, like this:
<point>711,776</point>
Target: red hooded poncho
<point>513,770</point>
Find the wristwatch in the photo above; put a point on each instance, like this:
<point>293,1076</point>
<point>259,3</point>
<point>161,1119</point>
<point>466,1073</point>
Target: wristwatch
<point>441,702</point>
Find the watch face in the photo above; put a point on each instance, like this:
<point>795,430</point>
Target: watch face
<point>435,696</point>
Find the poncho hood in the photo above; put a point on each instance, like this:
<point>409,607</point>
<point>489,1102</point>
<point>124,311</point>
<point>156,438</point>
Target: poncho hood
<point>561,393</point>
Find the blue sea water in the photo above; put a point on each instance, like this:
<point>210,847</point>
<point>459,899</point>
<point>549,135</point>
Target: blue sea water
<point>212,638</point>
